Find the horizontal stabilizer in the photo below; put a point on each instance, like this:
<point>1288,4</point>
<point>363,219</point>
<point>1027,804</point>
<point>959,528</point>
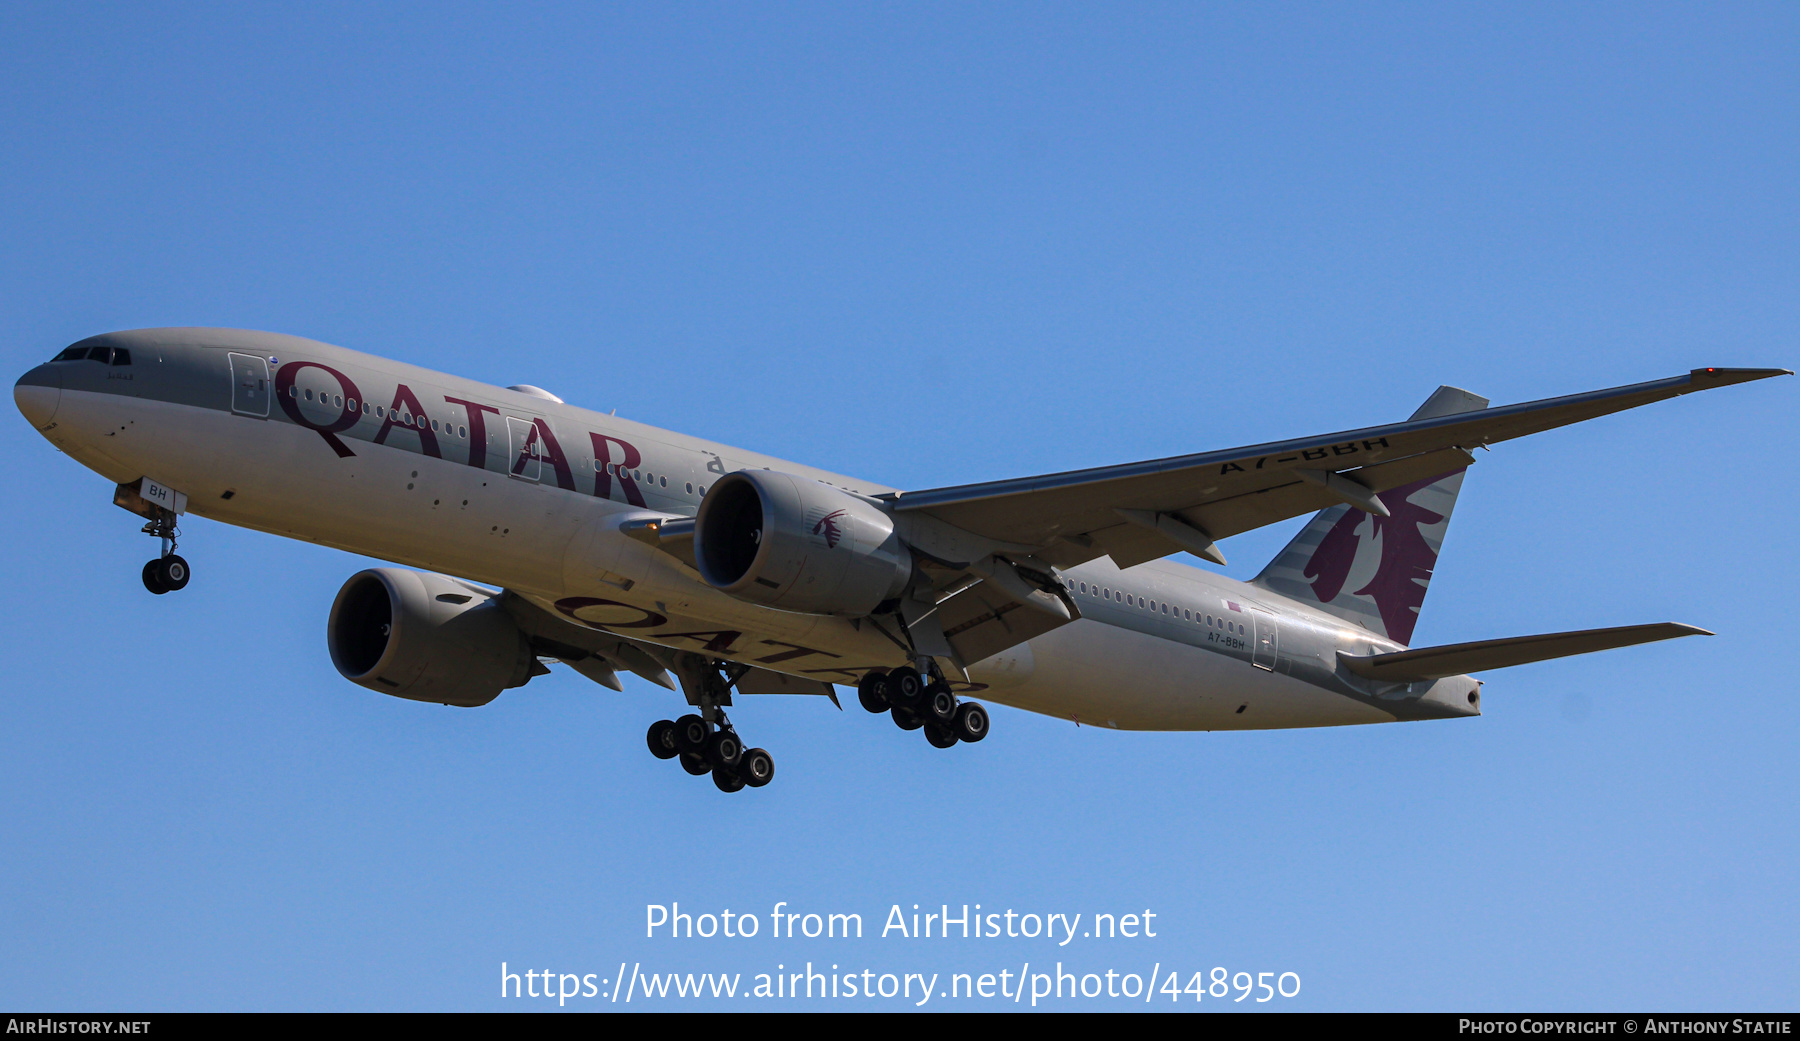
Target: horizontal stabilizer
<point>1456,659</point>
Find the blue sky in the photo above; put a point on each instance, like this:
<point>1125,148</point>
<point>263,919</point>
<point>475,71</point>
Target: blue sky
<point>927,244</point>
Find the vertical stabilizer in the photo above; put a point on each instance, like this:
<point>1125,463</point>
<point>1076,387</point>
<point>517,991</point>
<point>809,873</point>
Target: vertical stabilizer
<point>1372,570</point>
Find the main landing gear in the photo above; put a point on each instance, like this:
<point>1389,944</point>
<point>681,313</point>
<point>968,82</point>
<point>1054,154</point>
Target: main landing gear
<point>168,572</point>
<point>706,742</point>
<point>708,748</point>
<point>918,704</point>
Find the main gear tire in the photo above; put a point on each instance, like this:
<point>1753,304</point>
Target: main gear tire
<point>940,704</point>
<point>872,691</point>
<point>940,735</point>
<point>905,688</point>
<point>757,768</point>
<point>723,749</point>
<point>971,722</point>
<point>661,739</point>
<point>691,735</point>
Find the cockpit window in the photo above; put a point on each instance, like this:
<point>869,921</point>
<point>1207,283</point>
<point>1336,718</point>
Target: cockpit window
<point>100,354</point>
<point>121,356</point>
<point>72,354</point>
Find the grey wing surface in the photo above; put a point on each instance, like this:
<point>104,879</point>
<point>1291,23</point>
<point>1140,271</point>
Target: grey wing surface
<point>1140,511</point>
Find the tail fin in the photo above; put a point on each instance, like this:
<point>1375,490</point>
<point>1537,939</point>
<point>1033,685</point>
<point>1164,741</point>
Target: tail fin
<point>1374,570</point>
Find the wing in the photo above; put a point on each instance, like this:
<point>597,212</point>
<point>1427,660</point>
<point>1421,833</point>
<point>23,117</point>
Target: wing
<point>1139,511</point>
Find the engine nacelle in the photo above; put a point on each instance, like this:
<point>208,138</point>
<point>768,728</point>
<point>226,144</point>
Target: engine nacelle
<point>425,637</point>
<point>793,543</point>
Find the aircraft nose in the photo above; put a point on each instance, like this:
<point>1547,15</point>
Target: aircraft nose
<point>37,394</point>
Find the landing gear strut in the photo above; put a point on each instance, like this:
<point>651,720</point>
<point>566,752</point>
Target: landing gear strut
<point>706,742</point>
<point>918,704</point>
<point>168,572</point>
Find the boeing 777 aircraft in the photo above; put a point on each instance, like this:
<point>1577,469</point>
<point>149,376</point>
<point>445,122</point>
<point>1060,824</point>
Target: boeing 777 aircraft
<point>549,533</point>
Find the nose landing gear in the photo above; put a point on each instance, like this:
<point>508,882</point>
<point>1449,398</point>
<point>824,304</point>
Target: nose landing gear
<point>168,572</point>
<point>916,704</point>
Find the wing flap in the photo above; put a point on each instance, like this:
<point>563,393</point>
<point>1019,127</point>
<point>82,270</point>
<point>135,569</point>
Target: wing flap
<point>768,681</point>
<point>982,620</point>
<point>1457,659</point>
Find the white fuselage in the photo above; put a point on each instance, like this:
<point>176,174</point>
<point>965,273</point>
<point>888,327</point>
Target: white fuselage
<point>1161,646</point>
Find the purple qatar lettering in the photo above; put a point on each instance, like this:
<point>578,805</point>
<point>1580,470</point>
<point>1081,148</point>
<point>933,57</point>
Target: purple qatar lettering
<point>549,450</point>
<point>794,651</point>
<point>718,640</point>
<point>405,399</point>
<point>284,384</point>
<point>477,429</point>
<point>571,604</point>
<point>630,458</point>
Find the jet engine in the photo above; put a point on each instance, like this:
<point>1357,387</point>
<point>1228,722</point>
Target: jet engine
<point>425,637</point>
<point>796,544</point>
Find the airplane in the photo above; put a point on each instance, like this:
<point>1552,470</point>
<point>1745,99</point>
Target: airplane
<point>532,532</point>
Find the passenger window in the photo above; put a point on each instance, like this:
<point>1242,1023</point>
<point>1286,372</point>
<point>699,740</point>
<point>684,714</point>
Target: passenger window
<point>665,482</point>
<point>121,356</point>
<point>690,487</point>
<point>703,491</point>
<point>434,425</point>
<point>380,411</point>
<point>100,354</point>
<point>462,432</point>
<point>309,394</point>
<point>338,401</point>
